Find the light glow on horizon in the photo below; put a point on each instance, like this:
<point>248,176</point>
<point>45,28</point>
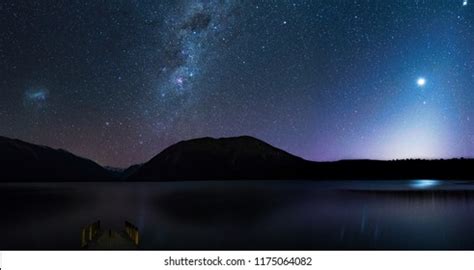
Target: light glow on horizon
<point>423,184</point>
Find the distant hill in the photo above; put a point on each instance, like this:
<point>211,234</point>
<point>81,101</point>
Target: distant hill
<point>226,158</point>
<point>21,161</point>
<point>249,158</point>
<point>455,169</point>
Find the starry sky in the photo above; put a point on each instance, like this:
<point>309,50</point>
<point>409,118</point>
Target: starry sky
<point>119,81</point>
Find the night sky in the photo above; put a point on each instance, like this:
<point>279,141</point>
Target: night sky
<point>118,81</point>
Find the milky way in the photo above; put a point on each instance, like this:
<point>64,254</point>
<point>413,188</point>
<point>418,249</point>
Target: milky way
<point>118,81</point>
<point>191,37</point>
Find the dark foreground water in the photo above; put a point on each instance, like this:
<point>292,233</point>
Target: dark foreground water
<point>421,214</point>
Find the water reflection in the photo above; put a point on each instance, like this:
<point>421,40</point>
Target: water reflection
<point>424,184</point>
<point>421,214</point>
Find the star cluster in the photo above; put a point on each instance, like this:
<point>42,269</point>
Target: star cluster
<point>118,81</point>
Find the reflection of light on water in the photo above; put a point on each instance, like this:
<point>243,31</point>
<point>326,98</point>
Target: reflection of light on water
<point>424,183</point>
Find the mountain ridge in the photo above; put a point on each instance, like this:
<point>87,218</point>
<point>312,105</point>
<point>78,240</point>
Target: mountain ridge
<point>24,161</point>
<point>230,158</point>
<point>219,158</point>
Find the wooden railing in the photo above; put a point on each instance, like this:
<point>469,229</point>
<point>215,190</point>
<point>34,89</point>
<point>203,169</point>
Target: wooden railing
<point>132,232</point>
<point>89,232</point>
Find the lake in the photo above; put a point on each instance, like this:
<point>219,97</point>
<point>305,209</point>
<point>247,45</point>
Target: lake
<point>420,214</point>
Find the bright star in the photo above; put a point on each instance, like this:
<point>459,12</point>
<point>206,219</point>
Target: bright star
<point>464,3</point>
<point>421,81</point>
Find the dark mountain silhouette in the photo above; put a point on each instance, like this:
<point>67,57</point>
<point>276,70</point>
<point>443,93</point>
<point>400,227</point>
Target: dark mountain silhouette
<point>226,158</point>
<point>28,162</point>
<point>130,170</point>
<point>249,158</point>
<point>455,169</point>
<point>239,158</point>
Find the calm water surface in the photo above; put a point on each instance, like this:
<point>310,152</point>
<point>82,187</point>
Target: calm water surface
<point>421,214</point>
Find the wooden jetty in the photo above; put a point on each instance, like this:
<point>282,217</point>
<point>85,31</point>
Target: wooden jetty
<point>94,237</point>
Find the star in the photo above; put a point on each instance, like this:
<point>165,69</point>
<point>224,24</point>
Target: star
<point>421,82</point>
<point>187,69</point>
